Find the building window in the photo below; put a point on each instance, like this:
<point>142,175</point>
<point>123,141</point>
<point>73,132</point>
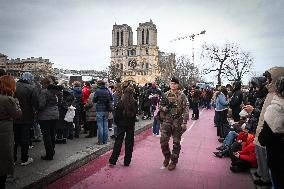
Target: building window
<point>121,35</point>
<point>147,65</point>
<point>147,37</point>
<point>147,52</point>
<point>121,66</point>
<point>117,38</point>
<point>142,36</point>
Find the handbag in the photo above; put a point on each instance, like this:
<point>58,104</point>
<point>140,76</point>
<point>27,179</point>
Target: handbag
<point>70,114</point>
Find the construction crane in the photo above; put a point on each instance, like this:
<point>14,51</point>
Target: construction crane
<point>191,37</point>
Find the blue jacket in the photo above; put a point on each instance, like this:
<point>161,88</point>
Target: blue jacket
<point>77,92</point>
<point>221,102</point>
<point>102,97</point>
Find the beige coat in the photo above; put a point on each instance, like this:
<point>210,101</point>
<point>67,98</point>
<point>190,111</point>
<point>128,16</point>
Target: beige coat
<point>275,72</point>
<point>9,110</point>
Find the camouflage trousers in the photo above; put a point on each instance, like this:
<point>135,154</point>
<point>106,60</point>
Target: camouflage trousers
<point>168,129</point>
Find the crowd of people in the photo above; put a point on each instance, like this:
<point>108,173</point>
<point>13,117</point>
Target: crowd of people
<point>249,122</point>
<point>250,126</point>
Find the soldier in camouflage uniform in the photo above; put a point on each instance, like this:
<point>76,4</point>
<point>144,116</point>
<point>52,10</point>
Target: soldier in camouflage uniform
<point>174,108</point>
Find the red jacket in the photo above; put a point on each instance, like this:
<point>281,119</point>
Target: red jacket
<point>85,94</point>
<point>248,152</point>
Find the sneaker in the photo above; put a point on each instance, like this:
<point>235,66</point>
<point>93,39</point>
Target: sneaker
<point>257,175</point>
<point>166,162</point>
<point>112,136</point>
<point>31,147</point>
<point>221,140</point>
<point>29,161</point>
<point>220,148</point>
<point>218,154</point>
<point>144,117</point>
<point>46,158</point>
<point>110,129</point>
<point>260,182</point>
<point>172,166</point>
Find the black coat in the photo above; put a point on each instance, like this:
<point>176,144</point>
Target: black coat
<point>122,120</point>
<point>274,143</point>
<point>25,95</point>
<point>236,100</point>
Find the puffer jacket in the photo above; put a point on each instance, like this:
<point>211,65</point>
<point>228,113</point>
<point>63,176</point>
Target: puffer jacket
<point>90,108</point>
<point>48,104</point>
<point>248,154</point>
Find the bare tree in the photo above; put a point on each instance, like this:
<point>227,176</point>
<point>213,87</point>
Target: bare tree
<point>167,67</point>
<point>186,72</point>
<point>239,65</point>
<point>228,60</point>
<point>114,72</point>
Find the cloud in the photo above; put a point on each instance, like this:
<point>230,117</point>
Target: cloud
<point>77,34</point>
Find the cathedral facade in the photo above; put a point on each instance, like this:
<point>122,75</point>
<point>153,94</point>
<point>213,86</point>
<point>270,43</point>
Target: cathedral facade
<point>140,62</point>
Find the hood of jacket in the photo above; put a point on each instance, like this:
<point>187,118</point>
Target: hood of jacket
<point>275,72</point>
<point>274,115</point>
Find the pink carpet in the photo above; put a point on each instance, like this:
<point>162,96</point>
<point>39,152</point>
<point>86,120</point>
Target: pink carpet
<point>197,167</point>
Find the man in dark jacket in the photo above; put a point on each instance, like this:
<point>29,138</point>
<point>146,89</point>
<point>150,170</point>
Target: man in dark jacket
<point>195,94</point>
<point>22,126</point>
<point>103,99</point>
<point>236,101</point>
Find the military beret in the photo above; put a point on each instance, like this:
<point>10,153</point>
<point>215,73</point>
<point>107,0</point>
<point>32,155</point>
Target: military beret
<point>175,80</point>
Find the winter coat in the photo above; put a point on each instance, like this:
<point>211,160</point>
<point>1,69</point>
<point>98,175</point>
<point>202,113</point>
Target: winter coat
<point>9,110</point>
<point>48,104</point>
<point>102,98</point>
<point>221,102</point>
<point>85,94</point>
<point>67,100</point>
<point>90,108</point>
<point>275,72</point>
<point>272,134</point>
<point>236,100</point>
<point>25,95</point>
<point>77,91</point>
<point>122,120</point>
<point>248,154</point>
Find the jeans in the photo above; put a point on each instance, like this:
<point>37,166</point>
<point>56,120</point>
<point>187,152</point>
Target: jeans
<point>156,127</point>
<point>102,122</point>
<point>230,138</point>
<point>262,168</point>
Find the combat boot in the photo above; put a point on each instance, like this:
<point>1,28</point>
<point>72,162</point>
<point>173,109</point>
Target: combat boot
<point>172,166</point>
<point>166,162</point>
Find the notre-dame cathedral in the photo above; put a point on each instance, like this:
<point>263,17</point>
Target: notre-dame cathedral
<point>140,62</point>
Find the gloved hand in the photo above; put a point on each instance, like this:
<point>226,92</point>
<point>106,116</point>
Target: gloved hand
<point>184,127</point>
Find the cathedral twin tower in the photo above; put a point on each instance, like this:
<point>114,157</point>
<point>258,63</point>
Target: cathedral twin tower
<point>135,62</point>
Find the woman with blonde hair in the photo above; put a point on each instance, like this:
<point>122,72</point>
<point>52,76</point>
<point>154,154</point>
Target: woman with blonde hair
<point>9,110</point>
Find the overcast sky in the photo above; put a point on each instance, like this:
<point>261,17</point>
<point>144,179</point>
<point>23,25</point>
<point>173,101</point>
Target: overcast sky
<point>76,34</point>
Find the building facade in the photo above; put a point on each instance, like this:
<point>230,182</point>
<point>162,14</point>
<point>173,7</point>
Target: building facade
<point>3,61</point>
<point>37,66</point>
<point>140,62</point>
